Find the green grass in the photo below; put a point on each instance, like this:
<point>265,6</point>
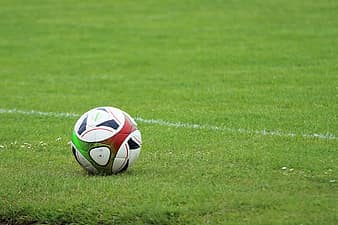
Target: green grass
<point>250,65</point>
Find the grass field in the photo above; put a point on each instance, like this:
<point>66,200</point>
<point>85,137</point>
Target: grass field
<point>259,79</point>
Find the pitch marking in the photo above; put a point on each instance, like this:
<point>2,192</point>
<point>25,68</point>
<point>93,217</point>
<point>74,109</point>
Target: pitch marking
<point>328,136</point>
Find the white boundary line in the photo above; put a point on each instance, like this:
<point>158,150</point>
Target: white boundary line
<point>327,136</point>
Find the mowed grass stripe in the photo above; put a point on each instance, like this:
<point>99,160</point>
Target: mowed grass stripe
<point>161,122</point>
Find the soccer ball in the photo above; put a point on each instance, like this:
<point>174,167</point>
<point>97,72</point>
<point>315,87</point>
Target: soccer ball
<point>106,140</point>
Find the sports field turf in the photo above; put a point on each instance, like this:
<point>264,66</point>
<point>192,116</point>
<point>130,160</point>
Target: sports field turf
<point>236,102</point>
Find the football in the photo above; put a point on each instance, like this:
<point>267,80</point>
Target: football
<point>106,141</point>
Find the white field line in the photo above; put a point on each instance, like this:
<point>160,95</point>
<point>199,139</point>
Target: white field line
<point>179,124</point>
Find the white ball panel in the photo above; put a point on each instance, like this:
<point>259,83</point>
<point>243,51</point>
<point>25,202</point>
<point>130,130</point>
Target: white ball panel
<point>79,122</point>
<point>116,114</point>
<point>97,134</point>
<point>136,135</point>
<point>133,155</point>
<point>84,162</point>
<point>119,164</point>
<point>123,151</point>
<point>100,155</point>
<point>96,117</point>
